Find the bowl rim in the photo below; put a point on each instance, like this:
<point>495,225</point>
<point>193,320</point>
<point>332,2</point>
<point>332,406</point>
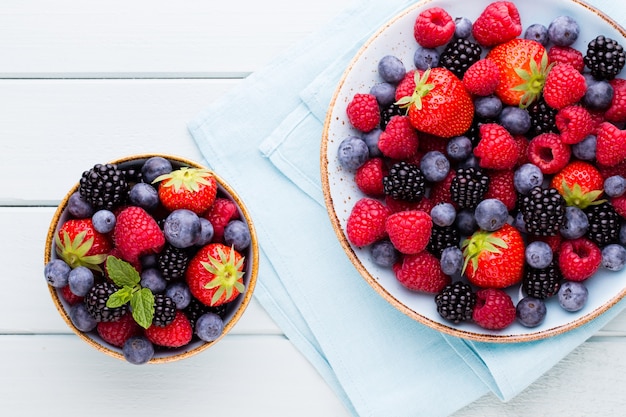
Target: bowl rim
<point>253,263</point>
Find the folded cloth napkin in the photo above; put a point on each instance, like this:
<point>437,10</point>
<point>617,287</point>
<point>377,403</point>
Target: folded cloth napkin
<point>263,137</point>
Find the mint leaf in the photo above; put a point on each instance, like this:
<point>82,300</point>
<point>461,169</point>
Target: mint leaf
<point>121,272</point>
<point>120,297</point>
<point>142,305</point>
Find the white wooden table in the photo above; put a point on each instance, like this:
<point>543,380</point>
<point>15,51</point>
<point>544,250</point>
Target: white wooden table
<point>87,82</point>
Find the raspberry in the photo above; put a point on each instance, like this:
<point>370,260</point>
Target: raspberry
<point>610,145</point>
<point>117,332</point>
<point>549,153</point>
<point>176,334</point>
<point>616,112</point>
<point>494,309</point>
<point>574,123</point>
<point>406,87</point>
<point>363,112</point>
<point>69,296</point>
<point>440,192</point>
<point>482,77</point>
<point>522,144</point>
<point>409,231</point>
<point>499,22</point>
<point>421,272</point>
<point>433,27</point>
<point>579,259</point>
<point>425,204</point>
<point>619,205</point>
<point>136,233</point>
<point>369,177</point>
<point>564,86</point>
<point>399,140</point>
<point>496,149</point>
<point>366,222</point>
<point>567,55</point>
<point>502,187</point>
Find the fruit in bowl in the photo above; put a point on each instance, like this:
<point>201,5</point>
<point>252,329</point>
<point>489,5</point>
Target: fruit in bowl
<point>151,258</point>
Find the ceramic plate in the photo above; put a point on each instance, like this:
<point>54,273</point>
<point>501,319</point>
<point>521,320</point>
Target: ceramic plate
<point>396,38</point>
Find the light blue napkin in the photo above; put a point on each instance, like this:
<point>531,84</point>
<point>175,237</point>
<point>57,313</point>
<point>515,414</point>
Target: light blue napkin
<point>263,137</point>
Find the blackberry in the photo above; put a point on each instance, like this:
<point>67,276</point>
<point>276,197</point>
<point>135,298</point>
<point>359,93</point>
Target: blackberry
<point>604,224</point>
<point>543,211</point>
<point>468,187</point>
<point>459,55</point>
<point>195,309</point>
<point>386,113</point>
<point>405,181</point>
<point>172,262</point>
<point>542,117</point>
<point>456,302</point>
<point>104,186</point>
<point>96,299</point>
<point>542,283</point>
<point>164,310</point>
<point>443,237</point>
<point>605,58</point>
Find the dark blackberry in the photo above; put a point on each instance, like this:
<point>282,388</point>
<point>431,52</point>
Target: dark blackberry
<point>195,309</point>
<point>543,211</point>
<point>456,302</point>
<point>104,186</point>
<point>96,299</point>
<point>604,224</point>
<point>605,58</point>
<point>542,117</point>
<point>468,187</point>
<point>386,113</point>
<point>405,181</point>
<point>172,262</point>
<point>459,55</point>
<point>164,310</point>
<point>442,237</point>
<point>542,283</point>
<point>133,175</point>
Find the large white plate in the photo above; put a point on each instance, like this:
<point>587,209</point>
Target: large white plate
<point>340,192</point>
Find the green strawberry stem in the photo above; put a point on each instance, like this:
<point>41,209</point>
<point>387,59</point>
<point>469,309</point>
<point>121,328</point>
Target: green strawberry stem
<point>479,242</point>
<point>227,274</point>
<point>185,177</point>
<point>74,252</point>
<point>576,197</point>
<point>534,80</point>
<point>422,88</point>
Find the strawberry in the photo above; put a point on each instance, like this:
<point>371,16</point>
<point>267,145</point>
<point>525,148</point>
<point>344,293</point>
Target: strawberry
<point>136,233</point>
<point>499,22</point>
<point>610,145</point>
<point>549,153</point>
<point>79,244</point>
<point>409,231</point>
<point>366,222</point>
<point>616,112</point>
<point>494,309</point>
<point>574,123</point>
<point>496,149</point>
<point>482,77</point>
<point>421,272</point>
<point>369,177</point>
<point>579,182</point>
<point>579,259</point>
<point>117,332</point>
<point>568,55</point>
<point>433,27</point>
<point>564,86</point>
<point>176,334</point>
<point>439,105</point>
<point>494,259</point>
<point>363,112</point>
<point>215,274</point>
<point>194,189</point>
<point>502,187</point>
<point>219,214</point>
<point>523,66</point>
<point>399,140</point>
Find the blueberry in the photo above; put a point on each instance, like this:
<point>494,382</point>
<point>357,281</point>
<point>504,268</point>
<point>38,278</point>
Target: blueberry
<point>443,214</point>
<point>209,327</point>
<point>237,234</point>
<point>615,186</point>
<point>385,93</point>
<point>179,292</point>
<point>462,27</point>
<point>470,161</point>
<point>538,254</point>
<point>182,228</point>
<point>81,280</point>
<point>206,232</point>
<point>527,177</point>
<point>81,318</point>
<point>103,221</point>
<point>371,140</point>
<point>138,350</point>
<point>465,222</point>
<point>599,95</point>
<point>391,69</point>
<point>57,273</point>
<point>585,149</point>
<point>459,148</point>
<point>575,224</point>
<point>451,260</point>
<point>488,107</point>
<point>515,119</point>
<point>613,257</point>
<point>352,153</point>
<point>573,295</point>
<point>563,31</point>
<point>491,214</point>
<point>152,278</point>
<point>519,223</point>
<point>622,233</point>
<point>537,32</point>
<point>384,253</point>
<point>144,195</point>
<point>435,166</point>
<point>530,311</point>
<point>154,167</point>
<point>78,207</point>
<point>425,58</point>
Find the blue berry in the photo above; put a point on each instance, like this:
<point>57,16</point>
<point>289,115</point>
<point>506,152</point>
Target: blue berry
<point>371,140</point>
<point>538,254</point>
<point>153,279</point>
<point>573,295</point>
<point>57,273</point>
<point>425,58</point>
<point>585,149</point>
<point>179,292</point>
<point>391,69</point>
<point>384,253</point>
<point>443,214</point>
<point>563,31</point>
<point>103,221</point>
<point>519,223</point>
<point>465,222</point>
<point>385,93</point>
<point>78,207</point>
<point>599,95</point>
<point>488,107</point>
<point>144,195</point>
<point>622,233</point>
<point>613,257</point>
<point>182,228</point>
<point>209,327</point>
<point>154,167</point>
<point>352,153</point>
<point>615,186</point>
<point>459,148</point>
<point>575,224</point>
<point>462,27</point>
<point>451,260</point>
<point>515,119</point>
<point>470,161</point>
<point>530,311</point>
<point>206,232</point>
<point>81,280</point>
<point>527,177</point>
<point>491,214</point>
<point>435,166</point>
<point>537,32</point>
<point>237,234</point>
<point>81,318</point>
<point>138,350</point>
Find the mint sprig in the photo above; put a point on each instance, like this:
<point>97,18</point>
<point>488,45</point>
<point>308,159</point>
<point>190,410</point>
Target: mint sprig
<point>127,278</point>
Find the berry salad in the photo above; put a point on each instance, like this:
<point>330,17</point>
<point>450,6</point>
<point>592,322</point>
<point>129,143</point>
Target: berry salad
<point>484,167</point>
<point>151,259</point>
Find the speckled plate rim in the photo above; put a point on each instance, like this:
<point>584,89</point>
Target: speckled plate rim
<point>331,117</point>
<point>193,348</point>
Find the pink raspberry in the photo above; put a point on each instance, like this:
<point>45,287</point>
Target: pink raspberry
<point>494,309</point>
<point>433,27</point>
<point>574,123</point>
<point>568,55</point>
<point>421,272</point>
<point>399,140</point>
<point>366,222</point>
<point>482,77</point>
<point>369,177</point>
<point>549,153</point>
<point>363,112</point>
<point>498,23</point>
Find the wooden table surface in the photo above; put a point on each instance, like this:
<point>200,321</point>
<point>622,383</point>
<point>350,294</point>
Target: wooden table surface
<point>87,82</point>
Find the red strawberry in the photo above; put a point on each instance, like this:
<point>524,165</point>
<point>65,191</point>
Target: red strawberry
<point>494,309</point>
<point>409,231</point>
<point>421,272</point>
<point>566,55</point>
<point>433,27</point>
<point>366,222</point>
<point>616,113</point>
<point>215,274</point>
<point>117,332</point>
<point>496,149</point>
<point>579,182</point>
<point>499,22</point>
<point>502,187</point>
<point>219,214</point>
<point>363,112</point>
<point>574,123</point>
<point>194,189</point>
<point>399,140</point>
<point>610,145</point>
<point>176,334</point>
<point>482,77</point>
<point>564,86</point>
<point>579,259</point>
<point>549,153</point>
<point>79,244</point>
<point>494,259</point>
<point>369,177</point>
<point>136,233</point>
<point>440,104</point>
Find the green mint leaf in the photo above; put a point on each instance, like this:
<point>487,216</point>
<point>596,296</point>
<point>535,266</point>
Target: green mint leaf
<point>142,305</point>
<point>120,297</point>
<point>121,272</point>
